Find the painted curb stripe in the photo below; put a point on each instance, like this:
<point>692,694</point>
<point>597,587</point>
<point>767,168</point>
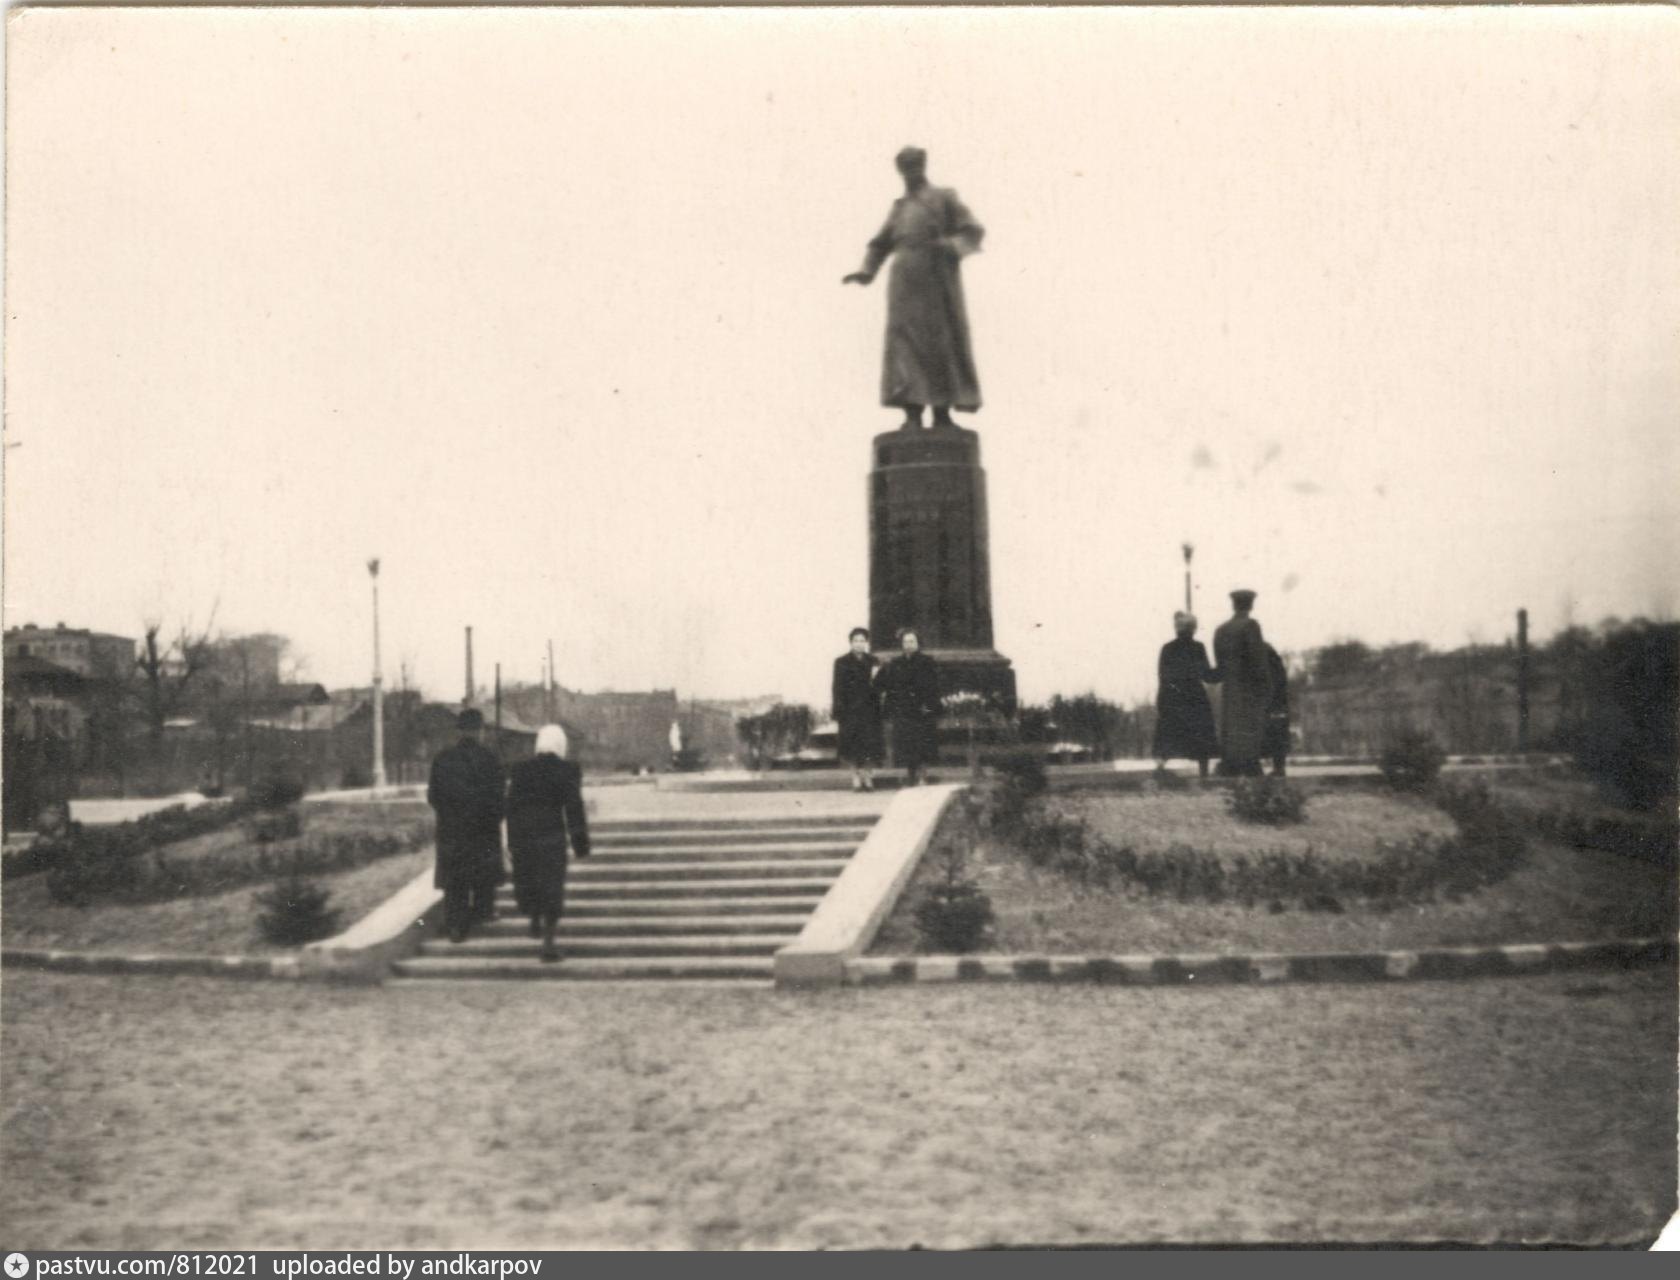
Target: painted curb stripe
<point>1183,971</point>
<point>1212,970</point>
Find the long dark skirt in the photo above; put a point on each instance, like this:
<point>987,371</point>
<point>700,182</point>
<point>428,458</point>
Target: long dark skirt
<point>1184,727</point>
<point>539,877</point>
<point>915,741</point>
<point>860,740</point>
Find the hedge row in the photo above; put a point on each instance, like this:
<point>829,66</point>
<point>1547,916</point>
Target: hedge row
<point>123,840</point>
<point>1487,848</point>
<point>157,877</point>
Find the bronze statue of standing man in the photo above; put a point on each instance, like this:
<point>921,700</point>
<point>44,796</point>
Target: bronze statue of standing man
<point>928,360</point>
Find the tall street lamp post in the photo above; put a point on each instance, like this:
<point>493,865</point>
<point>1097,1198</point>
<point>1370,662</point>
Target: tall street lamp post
<point>1188,552</point>
<point>378,687</point>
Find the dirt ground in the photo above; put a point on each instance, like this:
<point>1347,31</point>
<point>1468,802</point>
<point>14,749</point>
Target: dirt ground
<point>160,1113</point>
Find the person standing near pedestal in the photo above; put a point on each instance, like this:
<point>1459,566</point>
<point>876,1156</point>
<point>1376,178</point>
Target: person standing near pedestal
<point>911,699</point>
<point>856,707</point>
<point>929,359</point>
<point>1276,746</point>
<point>1239,649</point>
<point>1183,715</point>
<point>466,792</point>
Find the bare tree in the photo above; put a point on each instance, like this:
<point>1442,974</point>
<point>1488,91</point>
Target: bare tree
<point>167,669</point>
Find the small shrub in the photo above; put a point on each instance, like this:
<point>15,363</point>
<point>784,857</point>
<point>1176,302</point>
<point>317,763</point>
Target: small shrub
<point>277,791</point>
<point>294,911</point>
<point>1024,771</point>
<point>269,825</point>
<point>1272,801</point>
<point>1411,760</point>
<point>86,872</point>
<point>954,913</point>
<point>1020,780</point>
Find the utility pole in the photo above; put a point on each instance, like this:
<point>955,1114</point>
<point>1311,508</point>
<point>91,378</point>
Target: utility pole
<point>498,711</point>
<point>1522,680</point>
<point>1188,552</point>
<point>378,687</point>
<point>548,693</point>
<point>468,700</point>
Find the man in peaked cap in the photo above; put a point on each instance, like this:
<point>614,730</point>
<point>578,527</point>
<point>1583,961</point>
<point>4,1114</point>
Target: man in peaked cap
<point>467,793</point>
<point>1239,652</point>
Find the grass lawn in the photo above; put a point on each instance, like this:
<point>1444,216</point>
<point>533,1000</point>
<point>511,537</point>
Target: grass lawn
<point>159,1113</point>
<point>1340,822</point>
<point>1561,894</point>
<point>218,923</point>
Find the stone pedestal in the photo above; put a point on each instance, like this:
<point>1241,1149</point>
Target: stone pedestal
<point>929,567</point>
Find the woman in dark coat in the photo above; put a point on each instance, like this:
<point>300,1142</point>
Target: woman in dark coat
<point>856,706</point>
<point>1183,715</point>
<point>909,686</point>
<point>544,815</point>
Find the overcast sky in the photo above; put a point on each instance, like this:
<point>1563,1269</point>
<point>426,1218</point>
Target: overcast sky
<point>1378,308</point>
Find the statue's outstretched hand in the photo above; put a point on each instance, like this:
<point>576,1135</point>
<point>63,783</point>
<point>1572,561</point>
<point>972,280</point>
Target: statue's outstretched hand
<point>857,277</point>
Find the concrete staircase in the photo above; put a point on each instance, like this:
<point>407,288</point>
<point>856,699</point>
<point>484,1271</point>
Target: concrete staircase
<point>695,898</point>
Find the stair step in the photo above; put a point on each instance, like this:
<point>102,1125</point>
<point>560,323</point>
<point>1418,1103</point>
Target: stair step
<point>756,887</point>
<point>612,855</point>
<point>648,908</point>
<point>697,919</point>
<point>863,818</point>
<point>762,967</point>
<point>699,836</point>
<point>644,945</point>
<point>591,873</point>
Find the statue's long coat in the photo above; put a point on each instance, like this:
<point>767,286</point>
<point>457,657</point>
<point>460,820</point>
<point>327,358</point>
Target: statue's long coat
<point>928,359</point>
<point>466,791</point>
<point>1240,652</point>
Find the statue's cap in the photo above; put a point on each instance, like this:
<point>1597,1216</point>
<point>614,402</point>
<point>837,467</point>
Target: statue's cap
<point>1243,596</point>
<point>469,720</point>
<point>910,155</point>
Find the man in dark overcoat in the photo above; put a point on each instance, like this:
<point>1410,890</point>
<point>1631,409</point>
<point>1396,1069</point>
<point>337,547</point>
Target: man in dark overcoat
<point>856,707</point>
<point>467,793</point>
<point>910,697</point>
<point>1239,650</point>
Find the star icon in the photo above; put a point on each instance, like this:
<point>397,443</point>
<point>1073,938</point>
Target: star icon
<point>17,1266</point>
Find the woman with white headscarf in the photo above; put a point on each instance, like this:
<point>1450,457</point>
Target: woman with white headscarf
<point>1183,715</point>
<point>545,818</point>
